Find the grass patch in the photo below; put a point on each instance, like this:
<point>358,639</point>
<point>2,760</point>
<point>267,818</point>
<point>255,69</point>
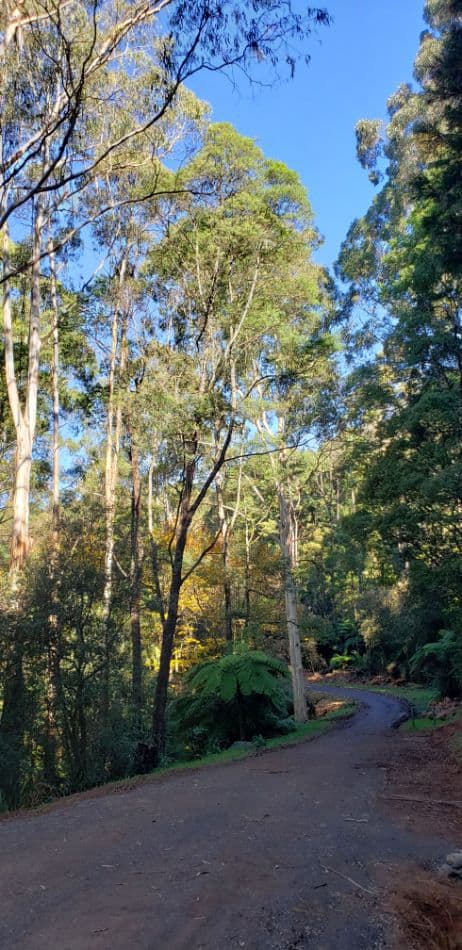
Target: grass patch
<point>422,724</point>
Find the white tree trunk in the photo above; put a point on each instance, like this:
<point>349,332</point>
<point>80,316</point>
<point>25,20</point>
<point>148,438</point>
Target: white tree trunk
<point>54,631</point>
<point>20,541</point>
<point>224,530</point>
<point>56,403</point>
<point>110,479</point>
<point>288,539</point>
<point>290,596</point>
<point>24,418</point>
<point>111,472</point>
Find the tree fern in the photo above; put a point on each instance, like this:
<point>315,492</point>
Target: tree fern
<point>236,697</point>
<point>441,661</point>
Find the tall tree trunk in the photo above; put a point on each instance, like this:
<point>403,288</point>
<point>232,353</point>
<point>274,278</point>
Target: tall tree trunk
<point>20,541</point>
<point>111,470</point>
<point>186,512</point>
<point>288,544</point>
<point>224,530</point>
<point>290,596</point>
<point>54,632</point>
<point>24,418</point>
<point>154,549</point>
<point>136,571</point>
<point>56,403</point>
<point>161,692</point>
<point>21,538</point>
<point>247,578</point>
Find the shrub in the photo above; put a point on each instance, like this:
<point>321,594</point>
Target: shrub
<point>236,697</point>
<point>340,661</point>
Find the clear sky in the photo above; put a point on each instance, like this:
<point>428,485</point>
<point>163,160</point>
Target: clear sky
<point>308,123</point>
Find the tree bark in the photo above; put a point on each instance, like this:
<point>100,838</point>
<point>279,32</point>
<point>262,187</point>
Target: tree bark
<point>247,578</point>
<point>136,572</point>
<point>290,597</point>
<point>154,549</point>
<point>224,530</point>
<point>54,631</point>
<point>24,417</point>
<point>161,692</point>
<point>288,545</point>
<point>20,542</point>
<point>56,404</point>
<point>111,471</point>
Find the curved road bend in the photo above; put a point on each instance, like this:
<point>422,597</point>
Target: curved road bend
<point>229,856</point>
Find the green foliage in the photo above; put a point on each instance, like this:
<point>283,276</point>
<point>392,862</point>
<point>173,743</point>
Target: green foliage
<point>252,672</point>
<point>339,662</point>
<point>216,319</point>
<point>402,263</point>
<point>440,663</point>
<point>421,724</point>
<point>237,697</point>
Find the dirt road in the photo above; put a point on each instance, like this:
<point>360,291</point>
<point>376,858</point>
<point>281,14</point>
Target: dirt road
<point>230,856</point>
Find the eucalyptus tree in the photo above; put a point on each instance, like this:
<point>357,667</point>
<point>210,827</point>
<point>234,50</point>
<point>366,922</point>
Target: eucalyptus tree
<point>65,63</point>
<point>285,421</point>
<point>236,292</point>
<point>84,83</point>
<point>295,368</point>
<point>206,275</point>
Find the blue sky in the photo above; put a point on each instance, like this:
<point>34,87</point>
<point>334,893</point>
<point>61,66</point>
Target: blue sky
<point>308,123</point>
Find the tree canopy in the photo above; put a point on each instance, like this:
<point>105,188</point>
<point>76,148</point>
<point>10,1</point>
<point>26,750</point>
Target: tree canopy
<point>221,466</point>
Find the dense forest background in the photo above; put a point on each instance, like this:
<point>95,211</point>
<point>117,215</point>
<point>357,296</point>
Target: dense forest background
<point>212,451</point>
